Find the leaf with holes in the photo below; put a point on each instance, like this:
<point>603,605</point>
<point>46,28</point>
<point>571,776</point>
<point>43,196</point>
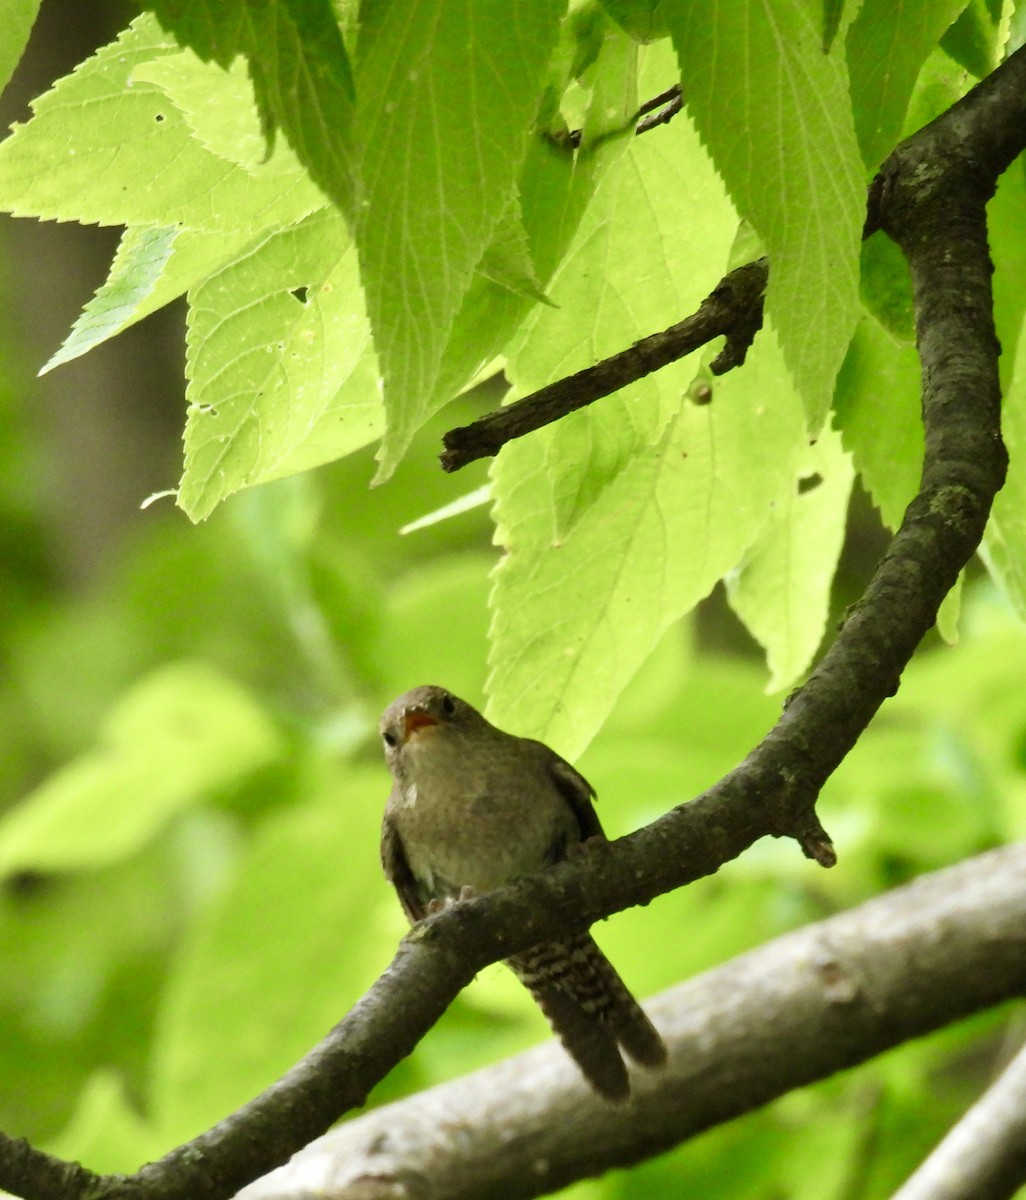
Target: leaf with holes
<point>102,148</point>
<point>282,374</point>
<point>300,70</point>
<point>782,590</point>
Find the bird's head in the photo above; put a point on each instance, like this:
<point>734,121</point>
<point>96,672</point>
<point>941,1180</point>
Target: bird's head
<point>421,714</point>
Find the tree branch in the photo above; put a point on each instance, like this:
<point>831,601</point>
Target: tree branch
<point>733,308</point>
<point>984,1156</point>
<point>669,104</point>
<point>784,1015</point>
<point>933,202</point>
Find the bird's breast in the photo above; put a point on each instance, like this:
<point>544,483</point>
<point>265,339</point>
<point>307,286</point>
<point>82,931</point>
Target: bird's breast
<point>477,830</point>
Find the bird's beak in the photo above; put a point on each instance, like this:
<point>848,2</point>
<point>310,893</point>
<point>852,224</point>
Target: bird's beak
<point>414,719</point>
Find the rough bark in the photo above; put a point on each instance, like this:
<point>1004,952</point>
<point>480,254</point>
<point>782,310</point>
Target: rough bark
<point>797,1009</point>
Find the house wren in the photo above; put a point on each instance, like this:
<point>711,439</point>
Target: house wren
<point>473,808</point>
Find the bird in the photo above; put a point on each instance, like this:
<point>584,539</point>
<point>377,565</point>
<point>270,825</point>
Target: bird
<point>473,808</point>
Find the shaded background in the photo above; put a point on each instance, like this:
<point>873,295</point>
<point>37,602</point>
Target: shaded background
<point>103,432</point>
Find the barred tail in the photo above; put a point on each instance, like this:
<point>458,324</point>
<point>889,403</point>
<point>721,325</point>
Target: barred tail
<point>590,1010</point>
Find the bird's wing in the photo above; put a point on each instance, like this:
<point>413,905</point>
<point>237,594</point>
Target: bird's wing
<point>397,871</point>
<point>577,792</point>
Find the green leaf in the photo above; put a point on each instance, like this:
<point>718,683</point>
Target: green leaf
<point>775,112</point>
<point>156,265</point>
<point>941,82</point>
<point>141,257</point>
<point>507,284</point>
<point>888,44</point>
<point>833,11</point>
<point>152,267</point>
<point>1006,213</point>
<point>640,18</point>
<point>950,612</point>
<point>597,513</point>
<point>782,590</point>
<point>886,286</point>
<point>442,147</point>
<point>101,148</point>
<point>577,613</point>
<point>282,373</point>
<point>877,411</point>
<point>922,798</point>
<point>975,700</point>
<point>652,243</point>
<point>1004,543</point>
<point>555,188</point>
<point>703,717</point>
<point>974,40</point>
<point>507,261</point>
<point>181,733</point>
<point>299,67</point>
<point>17,18</point>
<point>301,927</point>
<point>218,105</point>
<point>455,508</point>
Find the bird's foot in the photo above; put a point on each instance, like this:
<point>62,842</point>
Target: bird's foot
<point>578,849</point>
<point>436,905</point>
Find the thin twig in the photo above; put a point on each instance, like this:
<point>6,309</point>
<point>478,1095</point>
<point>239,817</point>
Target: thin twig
<point>673,107</point>
<point>732,309</point>
<point>672,98</point>
<point>671,94</point>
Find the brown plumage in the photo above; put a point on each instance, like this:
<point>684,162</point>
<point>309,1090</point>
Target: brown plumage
<point>590,1010</point>
<point>473,808</point>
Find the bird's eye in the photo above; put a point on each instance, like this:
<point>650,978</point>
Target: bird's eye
<point>389,738</point>
<point>448,705</point>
